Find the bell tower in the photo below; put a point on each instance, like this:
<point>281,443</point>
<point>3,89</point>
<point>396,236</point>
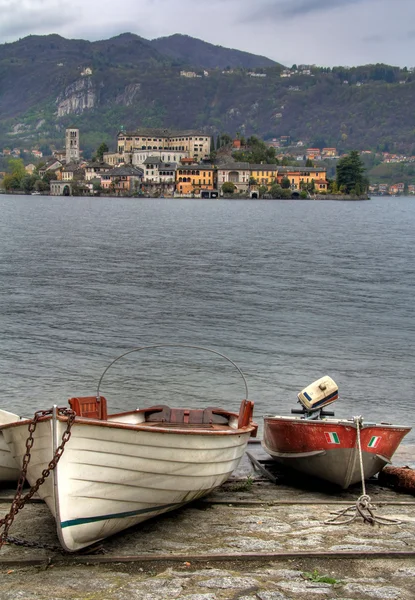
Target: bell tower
<point>72,145</point>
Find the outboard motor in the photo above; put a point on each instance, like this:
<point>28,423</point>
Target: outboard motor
<point>316,396</point>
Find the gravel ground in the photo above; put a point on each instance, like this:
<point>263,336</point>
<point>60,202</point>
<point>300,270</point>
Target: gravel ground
<point>243,517</point>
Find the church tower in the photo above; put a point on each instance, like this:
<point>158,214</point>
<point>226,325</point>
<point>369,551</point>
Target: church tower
<point>72,145</point>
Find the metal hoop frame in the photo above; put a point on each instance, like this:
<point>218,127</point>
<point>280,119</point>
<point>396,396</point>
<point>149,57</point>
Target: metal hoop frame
<point>173,346</point>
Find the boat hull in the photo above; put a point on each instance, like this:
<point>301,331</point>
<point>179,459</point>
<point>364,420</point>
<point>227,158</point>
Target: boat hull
<point>9,469</point>
<point>328,449</point>
<point>112,477</point>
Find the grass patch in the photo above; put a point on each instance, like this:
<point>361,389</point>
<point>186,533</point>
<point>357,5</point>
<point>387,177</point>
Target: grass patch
<point>315,577</point>
<point>243,486</point>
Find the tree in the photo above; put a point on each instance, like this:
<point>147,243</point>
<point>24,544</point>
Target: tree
<point>285,183</point>
<point>212,145</point>
<point>48,177</point>
<point>28,182</point>
<point>350,173</point>
<point>100,151</point>
<point>10,182</point>
<point>276,190</point>
<point>16,167</point>
<point>16,172</point>
<point>228,187</point>
<point>263,189</point>
<point>309,163</point>
<point>225,139</point>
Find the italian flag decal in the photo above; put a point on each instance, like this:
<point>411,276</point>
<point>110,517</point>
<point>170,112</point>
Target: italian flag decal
<point>374,442</point>
<point>332,437</point>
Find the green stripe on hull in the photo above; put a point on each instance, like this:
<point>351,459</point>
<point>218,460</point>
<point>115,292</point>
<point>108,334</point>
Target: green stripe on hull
<point>123,515</point>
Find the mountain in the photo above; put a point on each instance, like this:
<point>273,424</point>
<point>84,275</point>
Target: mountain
<point>202,55</point>
<point>48,83</point>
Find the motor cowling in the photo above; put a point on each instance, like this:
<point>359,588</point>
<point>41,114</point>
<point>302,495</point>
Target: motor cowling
<point>318,394</point>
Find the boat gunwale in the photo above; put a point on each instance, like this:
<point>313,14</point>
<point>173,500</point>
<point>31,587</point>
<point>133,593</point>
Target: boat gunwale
<point>341,422</point>
<point>193,429</point>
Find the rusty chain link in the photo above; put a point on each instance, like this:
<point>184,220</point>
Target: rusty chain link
<point>18,502</point>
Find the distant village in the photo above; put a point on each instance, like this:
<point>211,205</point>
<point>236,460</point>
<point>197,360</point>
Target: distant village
<point>158,163</point>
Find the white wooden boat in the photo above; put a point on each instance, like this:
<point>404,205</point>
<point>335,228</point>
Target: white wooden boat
<point>9,468</point>
<point>121,469</point>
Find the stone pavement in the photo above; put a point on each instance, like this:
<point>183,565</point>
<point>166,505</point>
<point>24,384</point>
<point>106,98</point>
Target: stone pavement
<point>247,516</point>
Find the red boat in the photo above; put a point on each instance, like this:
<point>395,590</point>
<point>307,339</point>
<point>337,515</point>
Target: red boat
<point>330,448</point>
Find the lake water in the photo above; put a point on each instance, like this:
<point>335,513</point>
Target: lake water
<point>289,290</point>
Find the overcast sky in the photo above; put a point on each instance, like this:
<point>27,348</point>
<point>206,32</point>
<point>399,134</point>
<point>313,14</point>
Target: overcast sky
<point>321,32</point>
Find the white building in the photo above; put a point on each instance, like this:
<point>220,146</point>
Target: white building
<point>139,157</point>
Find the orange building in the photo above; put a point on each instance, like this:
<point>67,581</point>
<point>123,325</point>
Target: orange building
<point>193,179</point>
<point>299,176</point>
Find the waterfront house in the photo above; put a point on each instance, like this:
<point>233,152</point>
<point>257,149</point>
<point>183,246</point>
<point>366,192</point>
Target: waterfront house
<point>195,179</point>
<point>397,188</point>
<point>299,176</point>
<point>122,180</point>
<point>237,173</point>
<point>264,174</point>
<point>158,172</point>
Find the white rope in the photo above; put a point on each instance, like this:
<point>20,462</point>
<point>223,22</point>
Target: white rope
<point>363,507</point>
<point>358,420</point>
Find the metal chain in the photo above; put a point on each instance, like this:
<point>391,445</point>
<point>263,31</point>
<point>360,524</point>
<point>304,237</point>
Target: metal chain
<point>10,539</point>
<point>18,502</point>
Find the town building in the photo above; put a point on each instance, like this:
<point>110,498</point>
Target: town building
<point>71,172</point>
<point>158,172</point>
<point>139,157</point>
<point>72,145</point>
<point>94,170</point>
<point>236,173</point>
<point>264,174</point>
<point>313,153</point>
<point>122,180</point>
<point>195,144</point>
<point>299,176</point>
<point>195,180</point>
<point>329,153</point>
<point>51,165</point>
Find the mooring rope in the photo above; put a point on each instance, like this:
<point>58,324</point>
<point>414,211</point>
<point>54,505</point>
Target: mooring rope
<point>363,507</point>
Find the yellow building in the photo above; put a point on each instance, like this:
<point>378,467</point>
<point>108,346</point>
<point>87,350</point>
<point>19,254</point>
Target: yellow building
<point>193,179</point>
<point>264,174</point>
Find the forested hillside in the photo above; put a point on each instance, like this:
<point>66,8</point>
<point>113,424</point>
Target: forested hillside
<point>48,83</point>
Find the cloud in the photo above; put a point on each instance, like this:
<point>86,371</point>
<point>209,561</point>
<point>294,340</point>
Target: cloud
<point>293,8</point>
<point>323,32</point>
<point>25,17</point>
